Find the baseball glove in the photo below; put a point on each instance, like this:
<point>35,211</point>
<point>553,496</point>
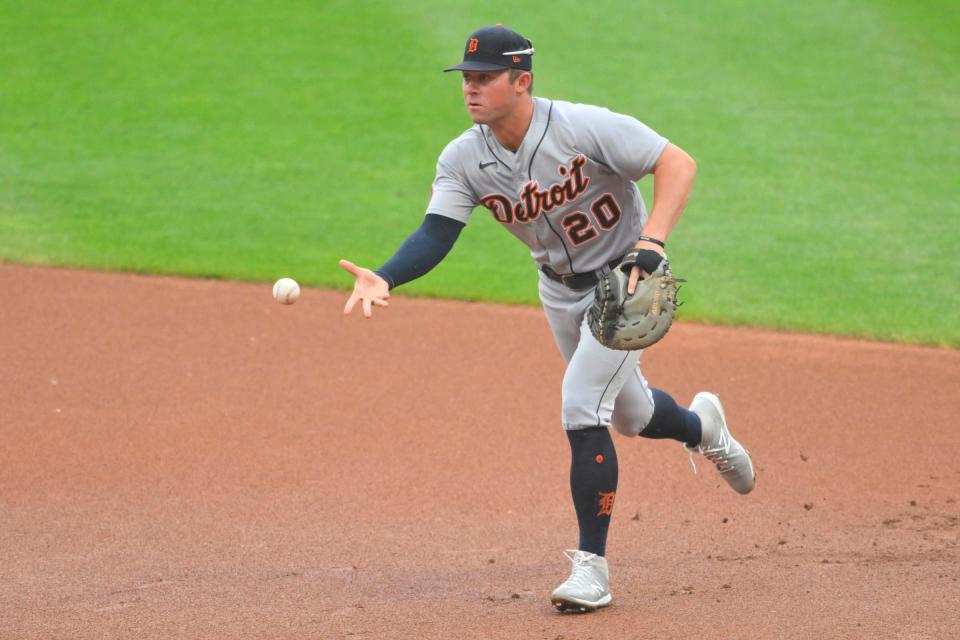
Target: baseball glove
<point>628,323</point>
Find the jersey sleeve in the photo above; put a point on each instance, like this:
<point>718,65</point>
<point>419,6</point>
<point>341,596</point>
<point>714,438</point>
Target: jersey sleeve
<point>452,195</point>
<point>626,145</point>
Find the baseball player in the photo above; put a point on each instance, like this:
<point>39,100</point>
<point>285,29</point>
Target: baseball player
<point>562,177</point>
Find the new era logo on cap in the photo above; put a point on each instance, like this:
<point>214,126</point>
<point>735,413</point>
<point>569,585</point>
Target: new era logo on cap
<point>495,48</point>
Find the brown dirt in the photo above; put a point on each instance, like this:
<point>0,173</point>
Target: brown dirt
<point>188,459</point>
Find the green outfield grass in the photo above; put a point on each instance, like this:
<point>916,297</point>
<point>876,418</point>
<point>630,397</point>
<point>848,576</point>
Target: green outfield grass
<point>251,140</point>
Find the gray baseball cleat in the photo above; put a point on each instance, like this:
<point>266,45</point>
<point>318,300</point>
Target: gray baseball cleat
<point>719,447</point>
<point>587,588</point>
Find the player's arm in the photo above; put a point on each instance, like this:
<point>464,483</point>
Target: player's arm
<point>451,203</point>
<point>672,183</point>
<point>633,150</point>
<point>420,252</point>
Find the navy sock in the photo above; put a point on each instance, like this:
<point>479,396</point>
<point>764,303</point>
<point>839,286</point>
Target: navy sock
<point>593,483</point>
<point>672,421</point>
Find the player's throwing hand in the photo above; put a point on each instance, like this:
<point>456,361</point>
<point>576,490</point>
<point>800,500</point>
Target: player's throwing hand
<point>369,289</point>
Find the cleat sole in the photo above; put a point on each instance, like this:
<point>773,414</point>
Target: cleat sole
<point>578,606</point>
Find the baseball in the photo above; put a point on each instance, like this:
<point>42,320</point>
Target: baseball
<point>286,290</point>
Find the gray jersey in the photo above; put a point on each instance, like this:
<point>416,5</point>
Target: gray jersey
<point>569,192</point>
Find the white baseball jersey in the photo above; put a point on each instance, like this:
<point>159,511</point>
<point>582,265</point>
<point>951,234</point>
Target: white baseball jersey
<point>569,192</point>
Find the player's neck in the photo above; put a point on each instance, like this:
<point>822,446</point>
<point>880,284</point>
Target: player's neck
<point>511,130</point>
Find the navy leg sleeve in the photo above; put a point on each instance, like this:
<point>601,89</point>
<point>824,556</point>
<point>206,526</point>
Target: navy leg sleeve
<point>672,421</point>
<point>593,483</point>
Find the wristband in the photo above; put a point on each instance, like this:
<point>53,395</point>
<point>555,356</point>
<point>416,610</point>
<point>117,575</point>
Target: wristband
<point>653,240</point>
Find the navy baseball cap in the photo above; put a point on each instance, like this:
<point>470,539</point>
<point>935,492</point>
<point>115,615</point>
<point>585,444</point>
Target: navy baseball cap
<point>495,48</point>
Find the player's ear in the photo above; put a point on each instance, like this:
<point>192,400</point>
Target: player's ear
<point>523,81</point>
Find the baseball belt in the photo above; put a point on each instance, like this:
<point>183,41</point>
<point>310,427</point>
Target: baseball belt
<point>576,281</point>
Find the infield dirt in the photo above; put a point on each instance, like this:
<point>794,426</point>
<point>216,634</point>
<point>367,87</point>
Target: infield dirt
<point>189,459</point>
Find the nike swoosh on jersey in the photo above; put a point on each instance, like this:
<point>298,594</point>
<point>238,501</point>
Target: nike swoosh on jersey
<point>484,165</point>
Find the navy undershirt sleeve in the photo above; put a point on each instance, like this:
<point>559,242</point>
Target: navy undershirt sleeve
<point>422,250</point>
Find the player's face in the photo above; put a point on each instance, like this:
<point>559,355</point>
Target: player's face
<point>489,95</point>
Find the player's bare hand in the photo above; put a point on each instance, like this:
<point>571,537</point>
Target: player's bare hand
<point>647,262</point>
<point>370,290</point>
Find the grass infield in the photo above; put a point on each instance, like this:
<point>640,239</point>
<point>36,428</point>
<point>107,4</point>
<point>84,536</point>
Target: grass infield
<point>253,140</point>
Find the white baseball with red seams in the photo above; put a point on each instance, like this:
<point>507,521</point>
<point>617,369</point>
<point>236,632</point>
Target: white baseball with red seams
<point>286,290</point>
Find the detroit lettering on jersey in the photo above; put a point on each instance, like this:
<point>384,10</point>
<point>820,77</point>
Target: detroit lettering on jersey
<point>534,200</point>
<point>568,192</point>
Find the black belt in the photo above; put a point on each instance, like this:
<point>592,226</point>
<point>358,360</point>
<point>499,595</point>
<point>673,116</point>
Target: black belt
<point>576,281</point>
